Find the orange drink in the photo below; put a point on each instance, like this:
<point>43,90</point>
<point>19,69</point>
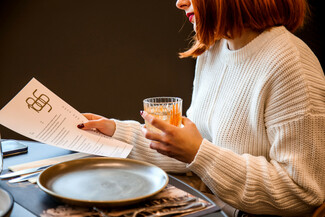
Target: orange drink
<point>168,109</point>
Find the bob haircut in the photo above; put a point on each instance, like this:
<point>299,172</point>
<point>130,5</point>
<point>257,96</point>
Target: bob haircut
<point>217,19</point>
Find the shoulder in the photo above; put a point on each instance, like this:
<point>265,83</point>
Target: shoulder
<point>284,48</point>
<point>285,57</point>
<point>293,80</point>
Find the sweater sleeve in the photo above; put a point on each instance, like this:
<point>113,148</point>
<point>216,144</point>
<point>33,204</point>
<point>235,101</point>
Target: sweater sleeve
<point>292,180</point>
<point>130,132</point>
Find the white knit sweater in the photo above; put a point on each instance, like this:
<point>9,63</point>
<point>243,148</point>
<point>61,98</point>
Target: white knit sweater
<point>261,111</point>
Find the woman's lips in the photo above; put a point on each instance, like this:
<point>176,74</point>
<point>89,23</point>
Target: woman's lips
<point>190,16</point>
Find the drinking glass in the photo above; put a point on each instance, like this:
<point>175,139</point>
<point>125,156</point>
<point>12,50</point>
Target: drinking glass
<point>168,109</point>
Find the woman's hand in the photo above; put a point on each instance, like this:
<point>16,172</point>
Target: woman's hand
<point>104,125</point>
<point>179,143</point>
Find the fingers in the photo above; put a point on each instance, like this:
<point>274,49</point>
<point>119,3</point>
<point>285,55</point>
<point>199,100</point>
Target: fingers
<point>156,122</point>
<point>167,131</point>
<point>181,143</point>
<point>186,121</point>
<point>151,135</point>
<point>159,141</point>
<point>94,121</point>
<point>91,116</point>
<point>161,148</point>
<point>92,124</point>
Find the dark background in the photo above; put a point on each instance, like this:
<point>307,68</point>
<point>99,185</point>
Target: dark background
<point>105,56</point>
<point>99,56</point>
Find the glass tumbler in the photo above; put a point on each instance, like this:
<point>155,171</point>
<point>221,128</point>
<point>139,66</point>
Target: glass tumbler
<point>168,109</point>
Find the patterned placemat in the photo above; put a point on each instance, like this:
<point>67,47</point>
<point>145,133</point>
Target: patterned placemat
<point>171,201</point>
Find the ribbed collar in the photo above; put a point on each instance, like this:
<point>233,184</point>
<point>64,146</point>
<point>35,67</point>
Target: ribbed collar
<point>237,56</point>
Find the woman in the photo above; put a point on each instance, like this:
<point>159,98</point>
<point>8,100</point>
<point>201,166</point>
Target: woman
<point>255,132</point>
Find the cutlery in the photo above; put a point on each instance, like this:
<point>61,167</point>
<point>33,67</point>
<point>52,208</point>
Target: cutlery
<point>132,212</point>
<point>183,203</point>
<point>185,209</point>
<point>24,178</point>
<point>101,213</point>
<point>40,168</point>
<point>22,172</point>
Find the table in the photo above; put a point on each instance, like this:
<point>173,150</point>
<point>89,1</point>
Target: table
<point>39,151</point>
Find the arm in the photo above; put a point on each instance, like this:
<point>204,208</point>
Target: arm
<point>131,133</point>
<point>290,179</point>
<point>291,182</point>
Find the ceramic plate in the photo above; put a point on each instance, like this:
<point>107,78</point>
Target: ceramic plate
<point>6,203</point>
<point>102,181</point>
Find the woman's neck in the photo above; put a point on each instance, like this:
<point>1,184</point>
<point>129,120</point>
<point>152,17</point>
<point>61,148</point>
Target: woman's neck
<point>239,42</point>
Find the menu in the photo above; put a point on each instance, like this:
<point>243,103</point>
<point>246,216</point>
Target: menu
<point>39,114</point>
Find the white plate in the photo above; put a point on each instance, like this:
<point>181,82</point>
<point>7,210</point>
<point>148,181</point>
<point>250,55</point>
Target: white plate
<point>6,203</point>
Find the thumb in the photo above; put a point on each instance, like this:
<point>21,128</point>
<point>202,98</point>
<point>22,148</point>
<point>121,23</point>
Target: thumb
<point>89,125</point>
<point>186,121</point>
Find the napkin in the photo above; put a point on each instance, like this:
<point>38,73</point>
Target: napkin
<point>48,161</point>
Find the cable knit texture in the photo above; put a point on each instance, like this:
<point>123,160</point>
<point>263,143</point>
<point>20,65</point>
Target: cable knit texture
<point>261,110</point>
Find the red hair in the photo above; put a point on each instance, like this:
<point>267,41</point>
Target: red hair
<point>216,19</point>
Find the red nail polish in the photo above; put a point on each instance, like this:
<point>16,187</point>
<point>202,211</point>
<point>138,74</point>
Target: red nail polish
<point>141,112</point>
<point>80,126</point>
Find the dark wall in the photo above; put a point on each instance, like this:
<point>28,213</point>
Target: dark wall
<point>100,56</point>
<point>105,56</point>
<point>313,31</point>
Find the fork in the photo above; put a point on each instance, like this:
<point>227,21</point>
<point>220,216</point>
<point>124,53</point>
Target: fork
<point>189,208</point>
<point>100,212</point>
<point>161,206</point>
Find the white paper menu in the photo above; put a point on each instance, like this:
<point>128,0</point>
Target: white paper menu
<point>39,114</point>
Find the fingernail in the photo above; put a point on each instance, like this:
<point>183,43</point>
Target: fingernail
<point>141,112</point>
<point>80,126</point>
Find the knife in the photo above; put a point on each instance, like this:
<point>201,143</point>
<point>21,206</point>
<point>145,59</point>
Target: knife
<point>22,172</point>
<point>23,178</point>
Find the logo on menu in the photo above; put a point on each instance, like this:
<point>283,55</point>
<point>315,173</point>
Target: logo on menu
<point>38,102</point>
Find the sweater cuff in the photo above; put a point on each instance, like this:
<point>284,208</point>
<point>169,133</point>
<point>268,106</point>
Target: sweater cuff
<point>118,130</point>
<point>202,158</point>
<point>124,129</point>
<point>212,160</point>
